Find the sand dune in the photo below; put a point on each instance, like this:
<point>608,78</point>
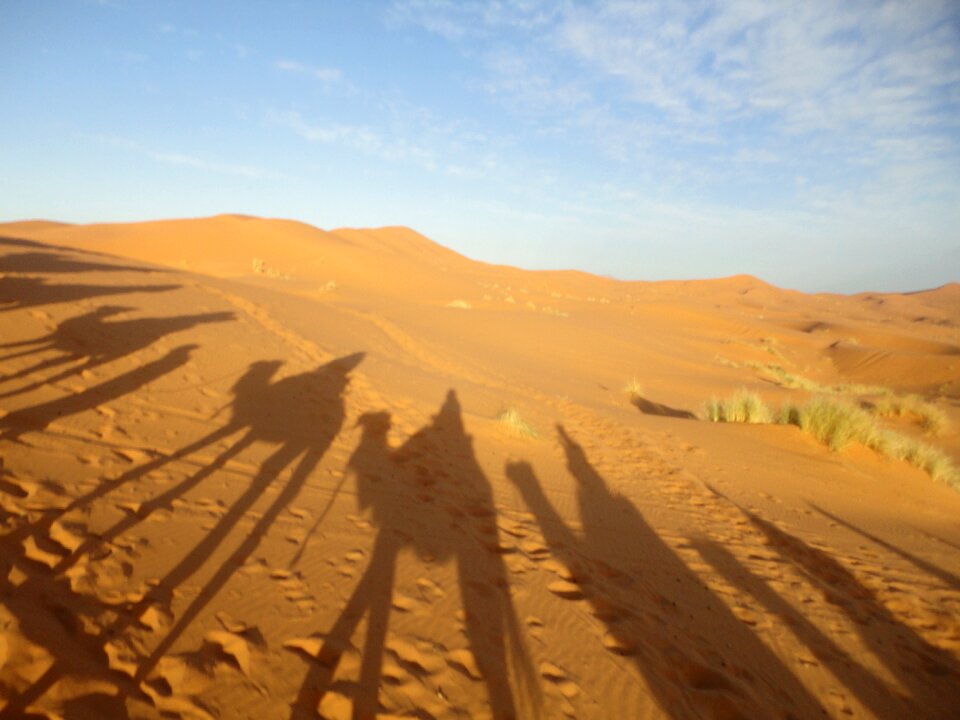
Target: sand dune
<point>251,468</point>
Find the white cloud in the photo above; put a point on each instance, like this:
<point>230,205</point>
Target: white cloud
<point>326,75</point>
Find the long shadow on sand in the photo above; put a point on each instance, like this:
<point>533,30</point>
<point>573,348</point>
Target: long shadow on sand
<point>49,261</point>
<point>872,692</point>
<point>947,578</point>
<point>99,341</point>
<point>38,417</point>
<point>649,407</point>
<point>300,415</point>
<point>20,293</point>
<point>930,676</point>
<point>430,495</point>
<point>696,657</point>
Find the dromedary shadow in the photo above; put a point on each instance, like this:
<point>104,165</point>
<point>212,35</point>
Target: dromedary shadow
<point>100,341</point>
<point>931,675</point>
<point>51,261</point>
<point>301,414</point>
<point>696,657</point>
<point>38,417</point>
<point>429,495</point>
<point>20,293</point>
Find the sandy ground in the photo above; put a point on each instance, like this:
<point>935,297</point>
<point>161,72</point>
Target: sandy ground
<point>253,469</point>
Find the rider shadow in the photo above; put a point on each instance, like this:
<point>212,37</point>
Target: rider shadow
<point>432,497</point>
<point>301,415</point>
<point>684,641</point>
<point>89,335</point>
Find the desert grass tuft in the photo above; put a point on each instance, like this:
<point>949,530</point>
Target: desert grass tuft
<point>634,389</point>
<point>792,381</point>
<point>511,419</point>
<point>743,406</point>
<point>835,423</point>
<point>931,418</point>
<point>838,423</point>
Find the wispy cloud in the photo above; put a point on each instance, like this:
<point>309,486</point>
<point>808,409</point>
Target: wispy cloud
<point>710,89</point>
<point>408,135</point>
<point>182,159</point>
<point>326,75</point>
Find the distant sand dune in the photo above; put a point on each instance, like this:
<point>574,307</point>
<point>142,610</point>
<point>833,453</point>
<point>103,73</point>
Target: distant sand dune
<point>285,492</point>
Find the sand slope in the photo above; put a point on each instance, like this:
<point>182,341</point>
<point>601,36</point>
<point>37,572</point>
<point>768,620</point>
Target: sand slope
<point>254,469</point>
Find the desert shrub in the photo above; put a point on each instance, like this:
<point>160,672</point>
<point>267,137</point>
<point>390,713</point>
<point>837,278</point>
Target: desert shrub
<point>743,406</point>
<point>835,423</point>
<point>931,418</point>
<point>792,381</point>
<point>634,389</point>
<point>511,419</point>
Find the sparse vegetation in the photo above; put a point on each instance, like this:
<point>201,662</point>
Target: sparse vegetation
<point>787,379</point>
<point>835,423</point>
<point>511,419</point>
<point>931,418</point>
<point>743,406</point>
<point>634,389</point>
<point>838,423</point>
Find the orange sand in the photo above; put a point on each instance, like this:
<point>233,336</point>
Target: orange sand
<point>253,469</point>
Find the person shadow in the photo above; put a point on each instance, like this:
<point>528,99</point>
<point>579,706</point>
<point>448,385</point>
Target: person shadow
<point>696,657</point>
<point>90,335</point>
<point>300,415</point>
<point>929,674</point>
<point>431,496</point>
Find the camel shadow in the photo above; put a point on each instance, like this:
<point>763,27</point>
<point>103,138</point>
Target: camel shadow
<point>21,293</point>
<point>38,417</point>
<point>42,263</point>
<point>298,415</point>
<point>100,341</point>
<point>431,496</point>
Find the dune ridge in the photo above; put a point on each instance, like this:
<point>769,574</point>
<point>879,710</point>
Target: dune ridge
<point>253,468</point>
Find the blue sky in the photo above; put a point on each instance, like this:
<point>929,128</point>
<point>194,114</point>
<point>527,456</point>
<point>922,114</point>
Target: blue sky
<point>813,144</point>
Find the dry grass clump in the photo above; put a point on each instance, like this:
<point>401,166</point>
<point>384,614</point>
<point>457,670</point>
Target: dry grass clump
<point>926,457</point>
<point>634,389</point>
<point>837,423</point>
<point>743,406</point>
<point>515,424</point>
<point>931,418</point>
<point>787,379</point>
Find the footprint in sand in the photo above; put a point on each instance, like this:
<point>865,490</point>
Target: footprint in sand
<point>429,590</point>
<point>421,659</point>
<point>557,678</point>
<point>566,590</point>
<point>297,593</point>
